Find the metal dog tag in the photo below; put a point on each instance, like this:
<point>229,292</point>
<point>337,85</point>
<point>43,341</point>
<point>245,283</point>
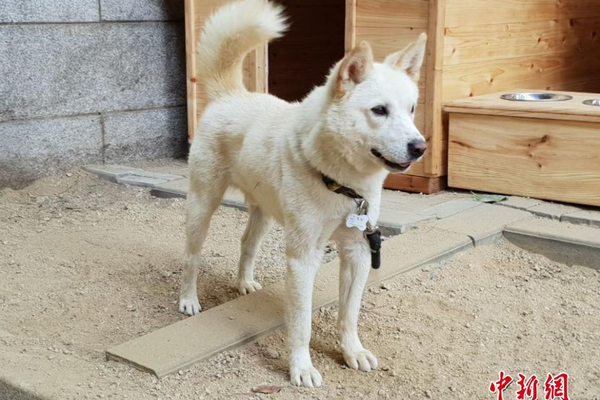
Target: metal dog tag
<point>360,219</point>
<point>357,221</point>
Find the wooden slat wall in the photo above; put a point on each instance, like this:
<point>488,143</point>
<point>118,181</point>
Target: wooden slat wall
<point>553,72</point>
<point>392,14</point>
<point>481,43</point>
<point>494,45</point>
<point>389,26</point>
<point>486,12</point>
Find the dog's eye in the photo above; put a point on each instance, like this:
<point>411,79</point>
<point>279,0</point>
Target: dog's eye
<point>380,110</point>
<point>412,110</point>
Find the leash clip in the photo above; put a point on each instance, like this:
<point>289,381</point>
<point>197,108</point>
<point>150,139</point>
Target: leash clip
<point>373,236</point>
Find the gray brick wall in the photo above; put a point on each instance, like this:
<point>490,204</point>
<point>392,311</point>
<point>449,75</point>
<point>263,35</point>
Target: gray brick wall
<point>89,81</point>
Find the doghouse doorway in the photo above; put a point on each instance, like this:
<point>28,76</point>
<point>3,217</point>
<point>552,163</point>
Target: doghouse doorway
<point>301,59</point>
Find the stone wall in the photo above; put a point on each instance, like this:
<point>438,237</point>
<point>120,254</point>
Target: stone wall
<point>89,81</point>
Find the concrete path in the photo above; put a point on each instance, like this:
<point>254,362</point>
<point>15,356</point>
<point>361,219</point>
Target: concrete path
<point>562,242</point>
<point>399,211</point>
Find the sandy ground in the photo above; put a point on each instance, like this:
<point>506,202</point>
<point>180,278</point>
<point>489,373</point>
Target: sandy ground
<point>87,264</point>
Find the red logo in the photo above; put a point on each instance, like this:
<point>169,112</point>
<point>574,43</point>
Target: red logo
<point>500,385</point>
<point>555,387</point>
<point>528,389</point>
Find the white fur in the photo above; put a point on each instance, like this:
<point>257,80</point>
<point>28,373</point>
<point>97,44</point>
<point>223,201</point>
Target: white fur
<point>275,153</point>
<point>228,35</point>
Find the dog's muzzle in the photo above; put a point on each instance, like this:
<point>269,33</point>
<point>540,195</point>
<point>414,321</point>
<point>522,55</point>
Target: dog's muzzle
<point>395,166</point>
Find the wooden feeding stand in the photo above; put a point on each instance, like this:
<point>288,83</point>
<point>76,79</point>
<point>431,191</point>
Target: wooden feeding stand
<point>475,47</point>
<point>543,149</point>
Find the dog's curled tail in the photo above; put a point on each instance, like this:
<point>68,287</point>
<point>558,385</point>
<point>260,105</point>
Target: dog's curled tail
<point>228,35</point>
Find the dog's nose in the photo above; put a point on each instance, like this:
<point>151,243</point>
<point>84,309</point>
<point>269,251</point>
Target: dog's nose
<point>417,149</point>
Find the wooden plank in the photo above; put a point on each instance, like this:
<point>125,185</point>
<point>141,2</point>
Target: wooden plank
<point>261,72</point>
<point>420,114</point>
<point>350,26</point>
<point>547,159</point>
<point>434,128</point>
<point>523,114</point>
<point>483,12</point>
<point>390,14</point>
<point>559,110</point>
<point>385,42</point>
<point>415,184</point>
<point>481,43</point>
<point>390,26</point>
<point>190,67</point>
<point>552,72</point>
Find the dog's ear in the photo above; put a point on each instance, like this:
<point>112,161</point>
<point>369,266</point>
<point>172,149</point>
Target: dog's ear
<point>410,59</point>
<point>354,68</point>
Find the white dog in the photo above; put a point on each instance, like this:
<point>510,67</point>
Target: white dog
<point>300,164</point>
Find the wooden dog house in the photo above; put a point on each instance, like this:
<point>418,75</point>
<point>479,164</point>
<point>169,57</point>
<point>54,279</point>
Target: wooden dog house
<point>475,47</point>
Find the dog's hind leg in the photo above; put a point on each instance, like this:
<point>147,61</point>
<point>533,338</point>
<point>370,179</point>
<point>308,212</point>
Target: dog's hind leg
<point>355,263</point>
<point>206,192</point>
<point>258,226</point>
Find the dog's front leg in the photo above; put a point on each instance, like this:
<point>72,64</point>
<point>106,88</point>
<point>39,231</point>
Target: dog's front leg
<point>303,264</point>
<point>355,264</point>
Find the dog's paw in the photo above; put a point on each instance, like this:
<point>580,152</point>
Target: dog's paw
<point>307,377</point>
<point>245,287</point>
<point>189,306</point>
<point>362,360</point>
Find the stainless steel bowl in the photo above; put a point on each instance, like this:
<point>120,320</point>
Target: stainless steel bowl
<point>592,102</point>
<point>536,97</point>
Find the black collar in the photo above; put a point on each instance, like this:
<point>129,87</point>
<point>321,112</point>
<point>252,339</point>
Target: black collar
<point>337,188</point>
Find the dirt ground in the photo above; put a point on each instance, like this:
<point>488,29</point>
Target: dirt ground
<point>87,264</point>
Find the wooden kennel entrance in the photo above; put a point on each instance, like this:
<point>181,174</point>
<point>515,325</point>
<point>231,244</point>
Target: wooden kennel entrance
<point>475,47</point>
